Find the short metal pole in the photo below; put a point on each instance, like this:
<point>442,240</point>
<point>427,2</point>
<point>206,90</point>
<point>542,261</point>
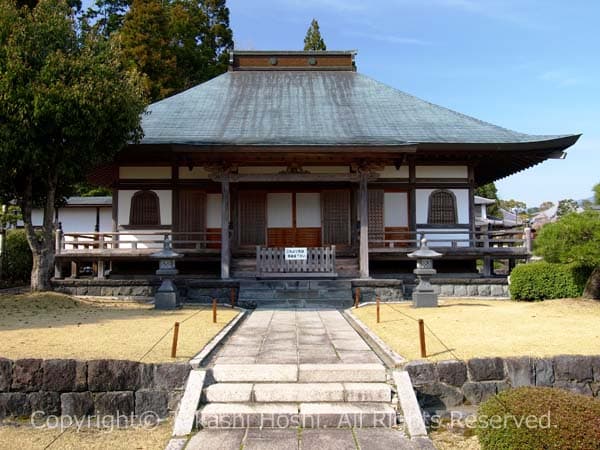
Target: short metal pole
<point>356,297</point>
<point>422,338</point>
<point>175,338</point>
<point>232,293</point>
<point>214,310</point>
<point>378,310</point>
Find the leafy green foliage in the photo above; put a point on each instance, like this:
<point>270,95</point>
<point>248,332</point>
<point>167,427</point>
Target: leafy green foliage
<point>489,191</point>
<point>575,238</point>
<point>9,215</point>
<point>67,104</point>
<point>546,205</point>
<point>313,39</point>
<point>512,205</point>
<point>565,207</point>
<point>544,280</point>
<point>107,16</point>
<point>596,190</point>
<point>562,420</point>
<point>176,44</point>
<point>17,259</point>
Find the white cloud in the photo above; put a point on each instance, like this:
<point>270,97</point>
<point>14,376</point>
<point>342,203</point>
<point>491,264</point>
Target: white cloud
<point>561,77</point>
<point>389,38</point>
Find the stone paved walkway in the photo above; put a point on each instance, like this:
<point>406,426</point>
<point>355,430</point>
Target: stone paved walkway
<point>301,336</point>
<point>309,439</point>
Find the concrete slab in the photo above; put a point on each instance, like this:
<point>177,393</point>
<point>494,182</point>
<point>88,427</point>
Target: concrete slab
<point>367,392</point>
<point>241,373</point>
<point>299,392</point>
<point>346,415</point>
<point>409,405</point>
<point>176,444</point>
<point>327,440</point>
<point>235,360</point>
<point>217,439</point>
<point>227,393</point>
<point>266,439</point>
<point>381,439</point>
<point>358,357</point>
<point>248,415</point>
<point>308,373</point>
<point>184,420</point>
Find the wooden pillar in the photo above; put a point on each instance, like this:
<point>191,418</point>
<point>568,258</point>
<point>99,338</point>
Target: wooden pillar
<point>225,219</point>
<point>412,200</point>
<point>488,269</point>
<point>364,225</point>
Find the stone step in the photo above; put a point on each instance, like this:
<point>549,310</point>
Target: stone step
<point>303,373</point>
<point>297,392</point>
<point>255,294</point>
<point>296,284</point>
<point>293,415</point>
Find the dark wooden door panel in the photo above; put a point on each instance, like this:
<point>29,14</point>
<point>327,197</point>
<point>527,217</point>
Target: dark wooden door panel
<point>191,216</point>
<point>335,215</point>
<point>252,208</point>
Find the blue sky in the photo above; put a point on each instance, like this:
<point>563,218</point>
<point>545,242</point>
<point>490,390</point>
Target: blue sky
<point>529,65</point>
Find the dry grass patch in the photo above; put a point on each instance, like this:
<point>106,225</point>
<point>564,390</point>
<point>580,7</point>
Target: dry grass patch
<point>57,326</point>
<point>26,437</point>
<point>472,328</point>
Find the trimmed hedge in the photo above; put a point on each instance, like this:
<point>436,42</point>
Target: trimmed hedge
<point>543,280</point>
<point>17,259</point>
<point>557,420</point>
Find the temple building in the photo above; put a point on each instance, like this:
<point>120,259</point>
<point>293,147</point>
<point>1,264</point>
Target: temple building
<point>293,164</point>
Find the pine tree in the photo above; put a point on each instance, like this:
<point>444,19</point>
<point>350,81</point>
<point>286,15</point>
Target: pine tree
<point>146,42</point>
<point>313,39</point>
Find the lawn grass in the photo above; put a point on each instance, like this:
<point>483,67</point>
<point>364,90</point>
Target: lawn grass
<point>25,436</point>
<point>51,325</point>
<point>472,328</point>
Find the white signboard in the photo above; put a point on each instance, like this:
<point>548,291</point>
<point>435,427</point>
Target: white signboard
<point>296,253</point>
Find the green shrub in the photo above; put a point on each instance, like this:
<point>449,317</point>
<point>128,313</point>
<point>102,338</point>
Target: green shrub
<point>558,420</point>
<point>17,260</point>
<point>542,280</point>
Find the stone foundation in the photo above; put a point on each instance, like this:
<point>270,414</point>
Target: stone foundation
<point>83,388</point>
<point>191,291</point>
<point>392,290</point>
<point>452,383</point>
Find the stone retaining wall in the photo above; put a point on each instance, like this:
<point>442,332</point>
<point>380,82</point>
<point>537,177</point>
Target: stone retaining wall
<point>398,290</point>
<point>447,384</point>
<point>81,388</point>
<point>192,291</point>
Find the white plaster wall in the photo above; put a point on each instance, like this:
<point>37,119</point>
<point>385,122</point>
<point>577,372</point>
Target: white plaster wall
<point>308,210</point>
<point>136,173</point>
<point>213,210</point>
<point>441,172</point>
<point>197,173</point>
<point>165,198</point>
<point>442,234</point>
<point>77,219</point>
<point>126,240</point>
<point>279,210</point>
<point>462,204</point>
<point>395,209</point>
<point>391,172</point>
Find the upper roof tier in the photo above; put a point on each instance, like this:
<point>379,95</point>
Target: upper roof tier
<point>313,99</point>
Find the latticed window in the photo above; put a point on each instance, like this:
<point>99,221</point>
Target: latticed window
<point>145,209</point>
<point>442,208</point>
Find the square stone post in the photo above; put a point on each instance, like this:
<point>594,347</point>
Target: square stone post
<point>225,246</point>
<point>364,225</point>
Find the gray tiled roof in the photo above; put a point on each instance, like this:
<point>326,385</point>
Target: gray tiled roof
<point>311,108</point>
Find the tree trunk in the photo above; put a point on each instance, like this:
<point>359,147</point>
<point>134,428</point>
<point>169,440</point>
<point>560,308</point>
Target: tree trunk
<point>41,242</point>
<point>40,271</point>
<point>592,287</point>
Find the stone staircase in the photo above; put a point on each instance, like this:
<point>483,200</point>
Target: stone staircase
<point>296,293</point>
<point>296,395</point>
<point>245,267</point>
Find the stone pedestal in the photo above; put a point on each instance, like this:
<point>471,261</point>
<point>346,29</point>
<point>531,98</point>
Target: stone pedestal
<point>166,296</point>
<point>424,295</point>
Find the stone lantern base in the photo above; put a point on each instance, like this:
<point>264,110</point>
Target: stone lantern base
<point>166,296</point>
<point>423,294</point>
